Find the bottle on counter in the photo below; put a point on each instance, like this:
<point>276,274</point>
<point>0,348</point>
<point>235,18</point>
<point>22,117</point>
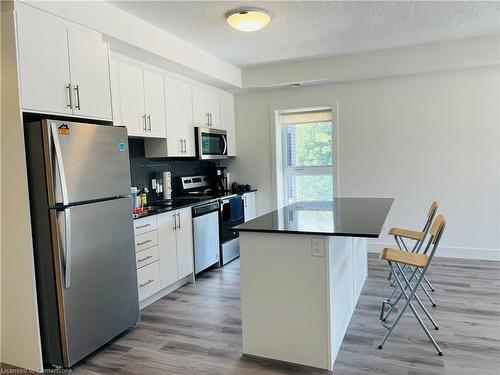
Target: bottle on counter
<point>144,197</point>
<point>133,197</point>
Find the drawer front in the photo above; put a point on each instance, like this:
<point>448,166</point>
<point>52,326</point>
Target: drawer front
<point>148,280</point>
<point>146,224</point>
<point>148,256</point>
<point>146,240</point>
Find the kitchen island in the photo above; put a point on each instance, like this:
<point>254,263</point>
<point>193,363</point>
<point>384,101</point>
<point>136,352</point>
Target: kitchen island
<point>302,270</point>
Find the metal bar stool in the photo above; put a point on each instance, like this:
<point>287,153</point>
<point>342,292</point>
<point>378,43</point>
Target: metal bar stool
<point>398,258</point>
<point>401,234</point>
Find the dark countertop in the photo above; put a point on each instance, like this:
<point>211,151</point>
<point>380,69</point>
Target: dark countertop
<point>159,207</point>
<point>350,217</point>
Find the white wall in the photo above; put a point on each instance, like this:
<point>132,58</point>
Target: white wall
<point>19,332</point>
<point>422,58</point>
<point>415,138</point>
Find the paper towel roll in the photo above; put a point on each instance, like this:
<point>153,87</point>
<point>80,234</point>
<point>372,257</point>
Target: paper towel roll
<point>167,185</point>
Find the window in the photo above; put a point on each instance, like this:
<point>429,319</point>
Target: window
<point>307,138</point>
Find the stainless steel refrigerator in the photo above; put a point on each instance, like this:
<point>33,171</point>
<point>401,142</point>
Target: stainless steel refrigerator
<point>79,182</point>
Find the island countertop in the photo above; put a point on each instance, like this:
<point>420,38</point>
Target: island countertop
<point>350,217</point>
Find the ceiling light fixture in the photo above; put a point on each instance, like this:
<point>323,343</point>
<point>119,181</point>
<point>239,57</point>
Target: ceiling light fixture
<point>248,19</point>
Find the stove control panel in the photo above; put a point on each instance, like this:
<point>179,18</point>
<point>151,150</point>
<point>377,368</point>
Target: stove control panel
<point>191,183</point>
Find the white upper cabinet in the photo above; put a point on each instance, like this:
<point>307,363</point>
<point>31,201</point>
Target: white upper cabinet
<point>115,91</point>
<point>166,108</point>
<point>131,99</point>
<point>227,121</point>
<point>180,130</point>
<point>206,107</point>
<point>201,117</point>
<point>43,61</point>
<point>89,62</point>
<point>154,103</point>
<point>213,104</point>
<point>141,100</point>
<point>49,49</point>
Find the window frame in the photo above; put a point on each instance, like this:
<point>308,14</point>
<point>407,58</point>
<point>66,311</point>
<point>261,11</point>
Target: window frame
<point>287,170</point>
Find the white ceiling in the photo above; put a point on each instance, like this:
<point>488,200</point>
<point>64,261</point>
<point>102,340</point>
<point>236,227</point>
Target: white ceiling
<point>307,29</point>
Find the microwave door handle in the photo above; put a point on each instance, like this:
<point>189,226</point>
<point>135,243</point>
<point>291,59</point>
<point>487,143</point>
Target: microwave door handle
<point>60,165</point>
<point>225,144</point>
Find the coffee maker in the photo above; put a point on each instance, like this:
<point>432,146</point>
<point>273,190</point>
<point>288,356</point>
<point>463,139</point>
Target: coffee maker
<point>219,180</point>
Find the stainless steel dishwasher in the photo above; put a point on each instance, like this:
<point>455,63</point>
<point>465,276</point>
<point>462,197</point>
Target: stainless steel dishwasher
<point>206,235</point>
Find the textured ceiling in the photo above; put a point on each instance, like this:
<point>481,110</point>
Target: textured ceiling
<point>307,29</point>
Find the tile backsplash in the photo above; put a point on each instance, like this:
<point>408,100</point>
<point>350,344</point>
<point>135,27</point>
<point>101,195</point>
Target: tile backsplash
<point>143,169</point>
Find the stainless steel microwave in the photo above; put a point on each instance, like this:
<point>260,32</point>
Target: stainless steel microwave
<point>211,143</point>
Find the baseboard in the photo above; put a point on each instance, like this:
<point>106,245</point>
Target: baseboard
<point>449,251</point>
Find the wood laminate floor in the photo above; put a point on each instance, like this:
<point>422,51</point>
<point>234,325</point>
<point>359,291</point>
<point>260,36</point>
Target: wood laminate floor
<point>197,330</point>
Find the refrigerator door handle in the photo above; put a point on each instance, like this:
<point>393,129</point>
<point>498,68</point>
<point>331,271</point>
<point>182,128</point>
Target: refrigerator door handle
<point>60,166</point>
<point>67,257</point>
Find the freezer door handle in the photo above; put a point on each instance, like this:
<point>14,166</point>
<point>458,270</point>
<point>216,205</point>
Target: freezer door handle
<point>67,258</point>
<point>60,166</point>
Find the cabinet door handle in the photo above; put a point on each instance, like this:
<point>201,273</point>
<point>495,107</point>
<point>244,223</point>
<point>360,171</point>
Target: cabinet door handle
<point>149,120</point>
<point>174,218</point>
<point>185,148</point>
<point>144,122</point>
<point>211,120</point>
<point>146,283</point>
<point>144,259</point>
<point>179,224</point>
<point>143,242</point>
<point>208,119</point>
<point>77,91</point>
<point>70,100</point>
<point>142,226</point>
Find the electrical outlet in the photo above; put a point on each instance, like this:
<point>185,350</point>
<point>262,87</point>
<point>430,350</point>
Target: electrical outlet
<point>317,247</point>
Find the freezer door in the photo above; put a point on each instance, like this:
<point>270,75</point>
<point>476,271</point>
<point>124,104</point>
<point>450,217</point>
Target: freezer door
<point>86,162</point>
<point>99,286</point>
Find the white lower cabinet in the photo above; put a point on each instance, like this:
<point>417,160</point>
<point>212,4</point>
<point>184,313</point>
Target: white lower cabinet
<point>148,256</point>
<point>164,251</point>
<point>148,280</point>
<point>184,241</point>
<point>167,248</point>
<point>249,206</point>
<point>175,242</point>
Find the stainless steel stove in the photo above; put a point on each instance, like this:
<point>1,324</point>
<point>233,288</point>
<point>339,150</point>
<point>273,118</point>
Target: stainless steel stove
<point>205,223</point>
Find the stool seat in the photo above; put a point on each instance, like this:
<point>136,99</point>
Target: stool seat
<point>406,233</point>
<point>403,257</point>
